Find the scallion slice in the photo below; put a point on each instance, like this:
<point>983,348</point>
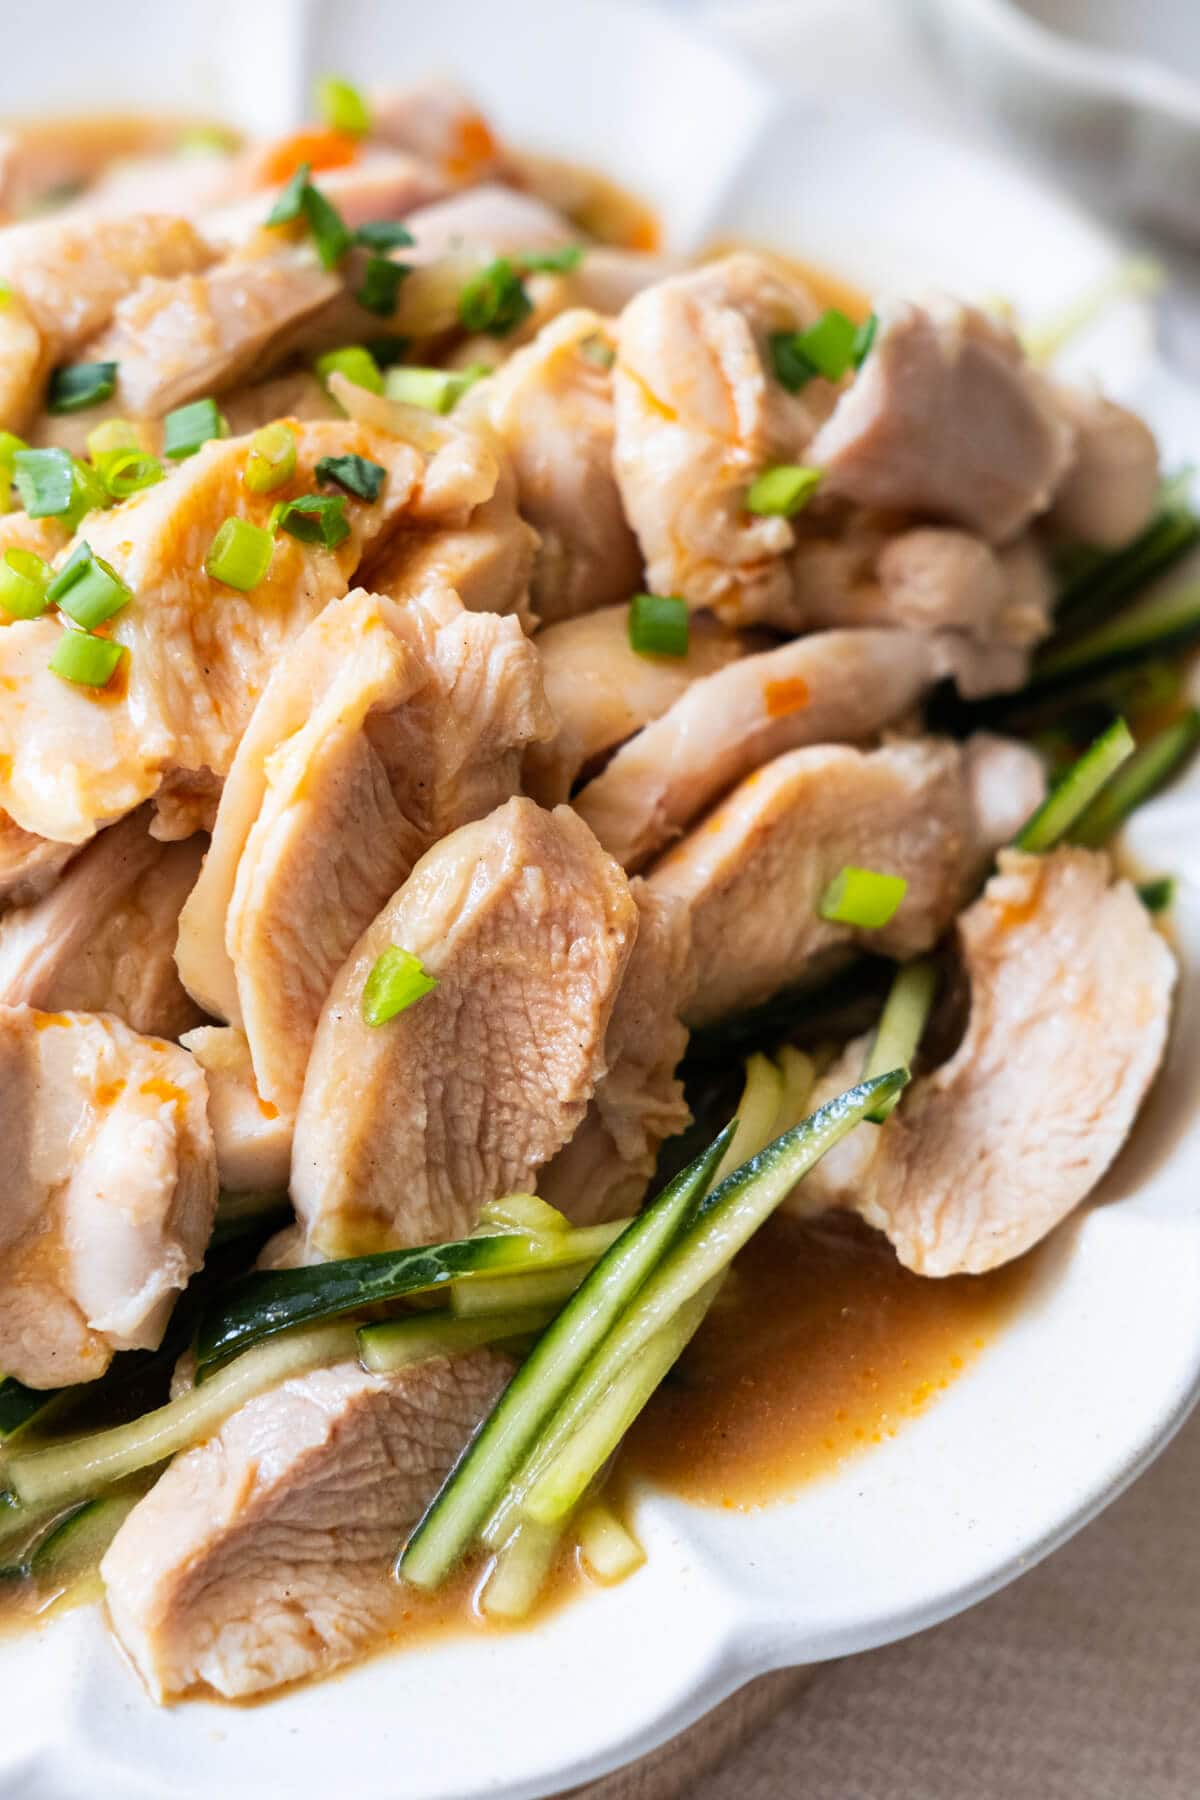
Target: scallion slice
<point>88,493</point>
<point>353,361</point>
<point>552,262</point>
<point>831,347</point>
<point>658,625</point>
<point>88,589</point>
<point>783,490</point>
<point>24,578</point>
<point>190,426</point>
<point>45,482</point>
<point>437,390</point>
<point>85,660</point>
<point>113,434</point>
<point>384,234</point>
<point>356,474</point>
<point>271,459</point>
<point>10,443</point>
<point>314,519</point>
<point>330,233</point>
<point>864,898</point>
<point>240,554</point>
<point>494,300</point>
<point>1147,770</point>
<point>1157,895</point>
<point>342,106</point>
<point>128,472</point>
<point>864,339</point>
<point>396,982</point>
<point>381,285</point>
<point>1077,789</point>
<point>901,1026</point>
<point>79,385</point>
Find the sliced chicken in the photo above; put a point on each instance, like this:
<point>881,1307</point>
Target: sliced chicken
<point>42,159</point>
<point>66,276</point>
<point>252,1138</point>
<point>552,406</point>
<point>604,1171</point>
<point>265,1554</point>
<point>296,394</point>
<point>947,419</point>
<point>45,537</point>
<point>1070,995</point>
<point>109,1192</point>
<point>103,938</point>
<point>1109,493</point>
<point>73,759</point>
<point>436,120</point>
<point>498,220</point>
<point>601,690</point>
<point>699,414</point>
<point>406,1128</point>
<point>836,686</point>
<point>752,874</point>
<point>29,865</point>
<point>383,728</point>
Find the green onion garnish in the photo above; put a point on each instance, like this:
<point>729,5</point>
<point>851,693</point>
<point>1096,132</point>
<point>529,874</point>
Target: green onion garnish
<point>88,589</point>
<point>330,233</point>
<point>10,443</point>
<point>356,363</point>
<point>1077,789</point>
<point>831,347</point>
<point>79,385</point>
<point>87,661</point>
<point>380,285</point>
<point>384,234</point>
<point>437,390</point>
<point>341,105</point>
<point>24,579</point>
<point>495,300</point>
<point>45,481</point>
<point>356,474</point>
<point>190,426</point>
<point>396,981</point>
<point>1147,770</point>
<point>88,493</point>
<point>126,472</point>
<point>783,490</point>
<point>594,349</point>
<point>864,339</point>
<point>552,262</point>
<point>314,519</point>
<point>110,435</point>
<point>240,554</point>
<point>658,625</point>
<point>1156,896</point>
<point>6,295</point>
<point>271,459</point>
<point>865,898</point>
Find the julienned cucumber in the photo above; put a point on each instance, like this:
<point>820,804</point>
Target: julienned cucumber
<point>1077,789</point>
<point>395,1343</point>
<point>75,1546</point>
<point>1148,769</point>
<point>1100,582</point>
<point>20,1406</point>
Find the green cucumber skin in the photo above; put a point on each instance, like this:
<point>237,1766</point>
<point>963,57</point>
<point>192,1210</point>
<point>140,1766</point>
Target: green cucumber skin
<point>21,1405</point>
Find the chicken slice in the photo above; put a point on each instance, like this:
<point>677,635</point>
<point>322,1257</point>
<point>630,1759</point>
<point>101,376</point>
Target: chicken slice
<point>1109,493</point>
<point>41,159</point>
<point>110,1191</point>
<point>436,120</point>
<point>699,415</point>
<point>752,874</point>
<point>29,865</point>
<point>72,758</point>
<point>836,686</point>
<point>551,404</point>
<point>265,1554</point>
<point>405,1129</point>
<point>252,1138</point>
<point>489,218</point>
<point>103,938</point>
<point>1070,994</point>
<point>384,728</point>
<point>947,419</point>
<point>604,1170</point>
<point>601,690</point>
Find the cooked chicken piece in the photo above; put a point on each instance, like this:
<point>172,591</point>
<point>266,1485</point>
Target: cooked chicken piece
<point>189,186</point>
<point>752,874</point>
<point>604,1170</point>
<point>1070,990</point>
<point>607,279</point>
<point>252,1138</point>
<point>29,865</point>
<point>947,419</point>
<point>103,938</point>
<point>436,120</point>
<point>699,414</point>
<point>491,218</point>
<point>1108,494</point>
<point>72,759</point>
<point>66,277</point>
<point>296,394</point>
<point>601,690</point>
<point>406,1128</point>
<point>178,340</point>
<point>109,1191</point>
<point>382,729</point>
<point>833,687</point>
<point>43,159</point>
<point>45,537</point>
<point>265,1554</point>
<point>552,405</point>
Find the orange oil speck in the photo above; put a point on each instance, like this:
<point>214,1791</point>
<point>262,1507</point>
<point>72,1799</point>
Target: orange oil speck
<point>787,696</point>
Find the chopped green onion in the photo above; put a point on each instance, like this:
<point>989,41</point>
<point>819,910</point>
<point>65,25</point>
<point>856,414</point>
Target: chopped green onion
<point>359,476</point>
<point>901,1026</point>
<point>437,390</point>
<point>206,140</point>
<point>127,472</point>
<point>240,554</point>
<point>388,350</point>
<point>289,202</point>
<point>1156,896</point>
<point>271,459</point>
<point>595,349</point>
<point>6,295</point>
<point>79,385</point>
<point>85,660</point>
<point>384,234</point>
<point>341,105</point>
<point>864,898</point>
<point>24,579</point>
<point>1148,769</point>
<point>658,625</point>
<point>494,300</point>
<point>45,481</point>
<point>381,285</point>
<point>330,233</point>
<point>1078,788</point>
<point>353,361</point>
<point>864,340</point>
<point>828,348</point>
<point>190,426</point>
<point>552,262</point>
<point>314,519</point>
<point>88,589</point>
<point>112,434</point>
<point>396,982</point>
<point>783,490</point>
<point>88,493</point>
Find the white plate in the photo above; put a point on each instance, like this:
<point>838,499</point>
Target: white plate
<point>1104,1359</point>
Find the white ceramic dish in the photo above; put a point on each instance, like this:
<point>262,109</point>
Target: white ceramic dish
<point>1103,1361</point>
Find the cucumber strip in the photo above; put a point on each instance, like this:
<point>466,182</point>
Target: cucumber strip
<point>723,1222</point>
<point>610,1551</point>
<point>501,1293</point>
<point>1077,789</point>
<point>523,1212</point>
<point>21,1406</point>
<point>75,1469</point>
<point>475,1484</point>
<point>567,1473</point>
<point>519,1571</point>
<point>1100,583</point>
<point>76,1545</point>
<point>901,1026</point>
<point>397,1342</point>
<point>1164,622</point>
<point>799,1077</point>
<point>238,1215</point>
<point>758,1109</point>
<point>1148,769</point>
<point>270,1301</point>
